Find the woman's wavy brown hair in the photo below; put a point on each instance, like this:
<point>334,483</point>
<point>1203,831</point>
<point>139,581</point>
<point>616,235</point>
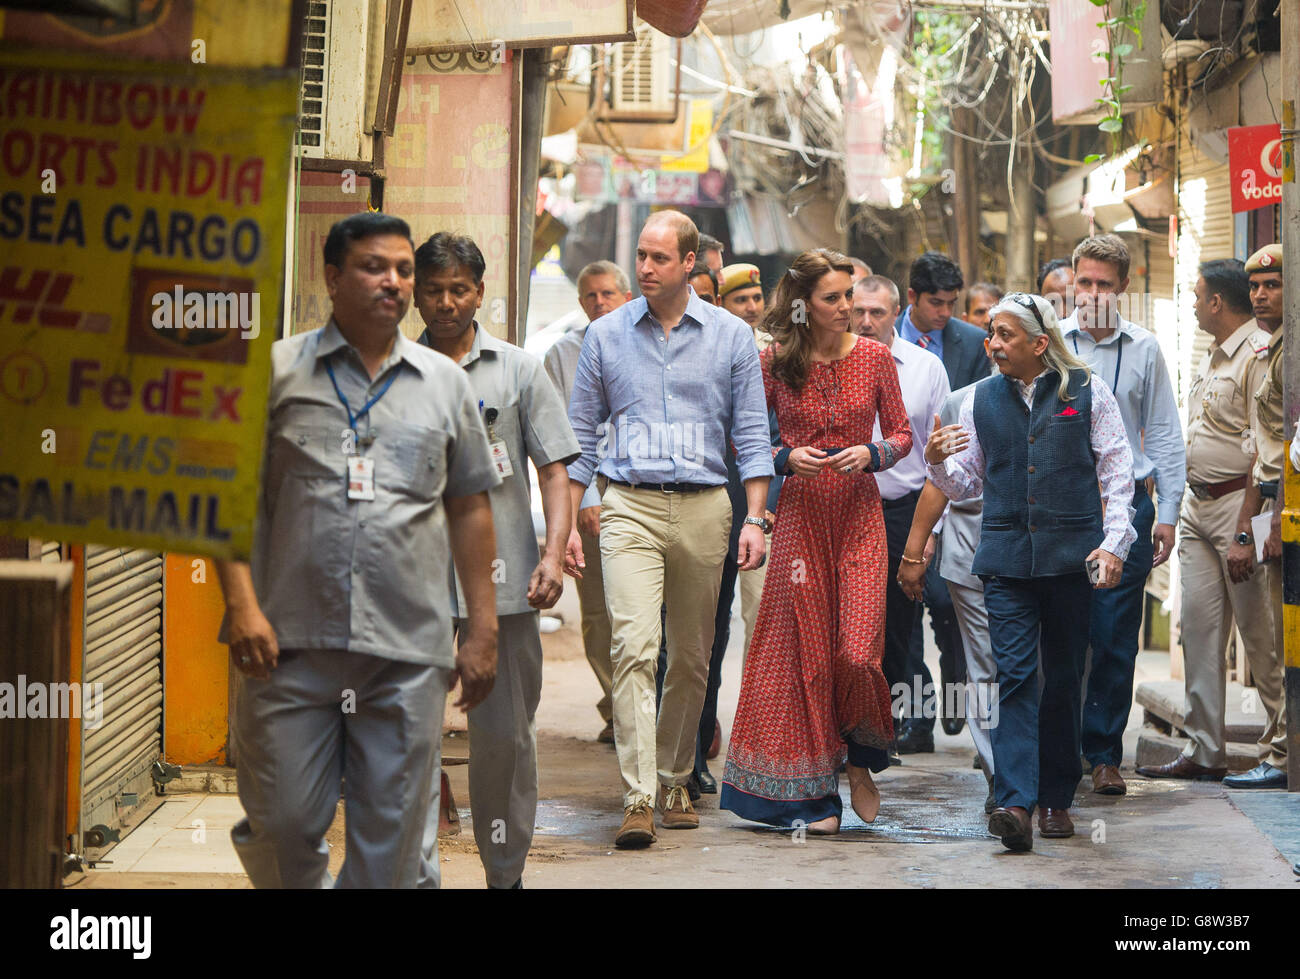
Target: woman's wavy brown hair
<point>787,314</point>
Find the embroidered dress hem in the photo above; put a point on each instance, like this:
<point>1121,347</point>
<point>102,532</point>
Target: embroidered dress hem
<point>778,812</point>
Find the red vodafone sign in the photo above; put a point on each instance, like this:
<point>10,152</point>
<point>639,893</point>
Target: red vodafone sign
<point>1255,162</point>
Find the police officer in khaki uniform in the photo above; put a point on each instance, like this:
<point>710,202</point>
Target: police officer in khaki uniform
<point>740,291</point>
<point>1216,552</point>
<point>1265,271</point>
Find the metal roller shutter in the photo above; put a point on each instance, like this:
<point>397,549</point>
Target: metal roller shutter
<point>123,651</point>
<point>51,552</point>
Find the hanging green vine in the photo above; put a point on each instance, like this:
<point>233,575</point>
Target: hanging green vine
<point>1119,25</point>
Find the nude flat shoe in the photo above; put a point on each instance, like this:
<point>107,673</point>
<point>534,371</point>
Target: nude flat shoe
<point>863,793</point>
<point>824,827</point>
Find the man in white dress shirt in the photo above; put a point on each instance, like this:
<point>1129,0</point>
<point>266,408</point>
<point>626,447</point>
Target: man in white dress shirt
<point>924,386</point>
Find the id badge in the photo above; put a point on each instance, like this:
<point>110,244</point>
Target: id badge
<point>501,458</point>
<point>361,478</point>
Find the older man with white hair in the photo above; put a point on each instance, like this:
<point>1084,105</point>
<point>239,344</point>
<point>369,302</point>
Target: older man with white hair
<point>1045,443</point>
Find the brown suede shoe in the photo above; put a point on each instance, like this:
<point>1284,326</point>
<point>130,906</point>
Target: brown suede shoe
<point>638,827</point>
<point>1014,828</point>
<point>678,813</point>
<point>1054,824</point>
<point>1106,780</point>
<point>1183,767</point>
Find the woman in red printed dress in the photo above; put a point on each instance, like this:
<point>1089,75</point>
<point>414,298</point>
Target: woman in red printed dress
<point>813,690</point>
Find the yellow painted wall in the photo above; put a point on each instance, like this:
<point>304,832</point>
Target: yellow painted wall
<point>195,666</point>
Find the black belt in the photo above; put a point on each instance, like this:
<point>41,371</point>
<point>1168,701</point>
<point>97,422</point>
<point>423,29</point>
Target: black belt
<point>1268,490</point>
<point>668,487</point>
<point>908,500</point>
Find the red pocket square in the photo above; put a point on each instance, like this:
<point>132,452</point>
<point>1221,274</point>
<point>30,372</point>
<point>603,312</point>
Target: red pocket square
<point>1067,413</point>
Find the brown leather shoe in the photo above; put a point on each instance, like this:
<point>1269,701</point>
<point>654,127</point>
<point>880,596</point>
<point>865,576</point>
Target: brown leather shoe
<point>638,827</point>
<point>715,746</point>
<point>1054,824</point>
<point>678,811</point>
<point>1183,767</point>
<point>1014,828</point>
<point>1106,780</point>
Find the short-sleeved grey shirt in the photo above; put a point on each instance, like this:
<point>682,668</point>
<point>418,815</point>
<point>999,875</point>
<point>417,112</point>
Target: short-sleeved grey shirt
<point>534,424</point>
<point>368,576</point>
<point>561,363</point>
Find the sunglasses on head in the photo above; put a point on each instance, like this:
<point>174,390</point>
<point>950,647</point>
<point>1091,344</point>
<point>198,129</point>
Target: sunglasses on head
<point>1024,299</point>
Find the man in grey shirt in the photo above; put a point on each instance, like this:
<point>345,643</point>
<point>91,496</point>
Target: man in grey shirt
<point>525,420</point>
<point>602,288</point>
<point>663,384</point>
<point>375,456</point>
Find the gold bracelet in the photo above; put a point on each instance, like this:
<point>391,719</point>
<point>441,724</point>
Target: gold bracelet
<point>913,560</point>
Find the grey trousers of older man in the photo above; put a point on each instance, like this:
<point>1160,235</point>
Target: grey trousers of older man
<point>503,756</point>
<point>327,718</point>
<point>981,696</point>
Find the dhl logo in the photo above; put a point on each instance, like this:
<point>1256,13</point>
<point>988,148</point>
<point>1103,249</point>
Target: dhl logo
<point>40,299</point>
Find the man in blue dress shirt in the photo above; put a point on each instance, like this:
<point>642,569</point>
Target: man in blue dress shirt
<point>1128,358</point>
<point>663,384</point>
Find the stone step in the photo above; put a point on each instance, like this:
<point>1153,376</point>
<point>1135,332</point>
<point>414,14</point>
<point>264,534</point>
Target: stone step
<point>1243,713</point>
<point>219,779</point>
<point>1154,747</point>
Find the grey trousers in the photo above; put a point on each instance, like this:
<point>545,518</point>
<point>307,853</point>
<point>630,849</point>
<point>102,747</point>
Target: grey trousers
<point>503,756</point>
<point>981,671</point>
<point>327,717</point>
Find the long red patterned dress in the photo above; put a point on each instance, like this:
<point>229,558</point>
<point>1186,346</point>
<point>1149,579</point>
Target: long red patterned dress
<point>813,679</point>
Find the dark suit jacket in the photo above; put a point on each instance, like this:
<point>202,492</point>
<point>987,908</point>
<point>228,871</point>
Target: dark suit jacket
<point>963,352</point>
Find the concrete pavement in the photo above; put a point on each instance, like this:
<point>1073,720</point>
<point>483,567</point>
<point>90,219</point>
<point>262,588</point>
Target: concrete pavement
<point>930,832</point>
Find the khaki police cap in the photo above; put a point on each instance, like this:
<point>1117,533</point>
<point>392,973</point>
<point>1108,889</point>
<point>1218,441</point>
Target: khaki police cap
<point>738,276</point>
<point>1266,259</point>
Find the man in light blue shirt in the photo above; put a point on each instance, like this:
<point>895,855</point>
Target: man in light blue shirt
<point>1128,358</point>
<point>663,383</point>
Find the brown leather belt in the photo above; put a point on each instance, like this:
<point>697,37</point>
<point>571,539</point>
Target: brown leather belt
<point>1213,491</point>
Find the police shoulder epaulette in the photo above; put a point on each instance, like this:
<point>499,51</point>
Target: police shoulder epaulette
<point>1258,341</point>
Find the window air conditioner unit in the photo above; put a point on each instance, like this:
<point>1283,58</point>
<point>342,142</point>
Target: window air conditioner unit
<point>349,94</point>
<point>644,78</point>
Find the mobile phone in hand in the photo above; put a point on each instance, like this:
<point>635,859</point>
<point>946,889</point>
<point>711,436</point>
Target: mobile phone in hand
<point>1094,570</point>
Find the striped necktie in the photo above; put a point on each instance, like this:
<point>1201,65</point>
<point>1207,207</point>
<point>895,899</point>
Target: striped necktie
<point>922,341</point>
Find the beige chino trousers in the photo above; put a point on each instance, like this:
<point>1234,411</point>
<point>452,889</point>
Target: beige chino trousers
<point>660,549</point>
<point>1211,602</point>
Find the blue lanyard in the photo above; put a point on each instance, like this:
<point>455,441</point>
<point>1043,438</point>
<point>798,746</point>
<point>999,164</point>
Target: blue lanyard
<point>1119,358</point>
<point>365,409</point>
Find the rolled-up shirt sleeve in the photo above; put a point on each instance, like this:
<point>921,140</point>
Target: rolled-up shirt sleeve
<point>588,408</point>
<point>1114,470</point>
<point>750,432</point>
<point>961,477</point>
